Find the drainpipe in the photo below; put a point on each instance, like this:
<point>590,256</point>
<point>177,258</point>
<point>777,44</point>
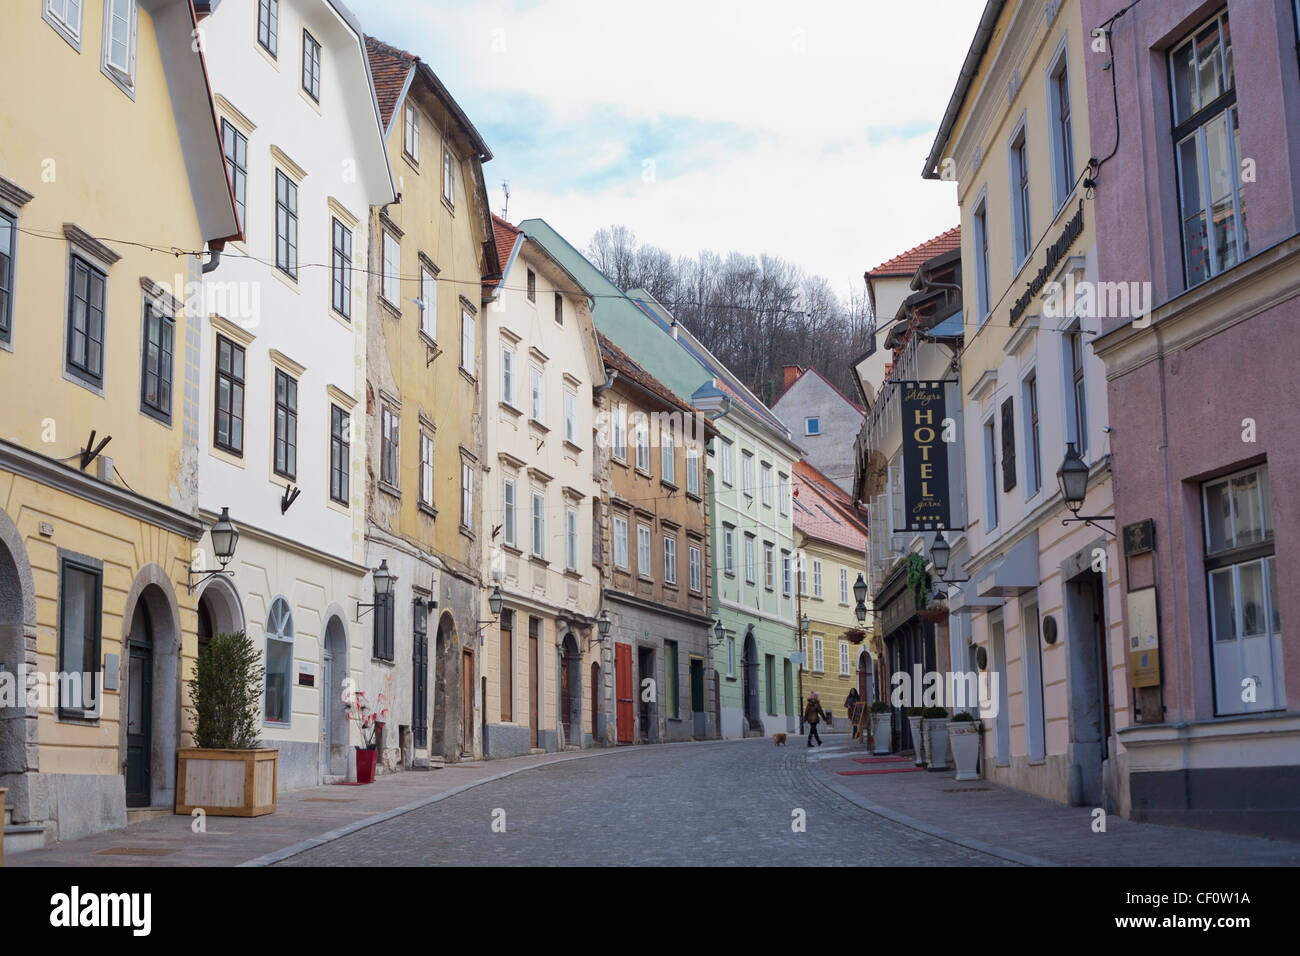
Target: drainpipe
<point>214,261</point>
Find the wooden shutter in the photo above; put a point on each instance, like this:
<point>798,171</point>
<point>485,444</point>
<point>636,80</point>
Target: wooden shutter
<point>1008,445</point>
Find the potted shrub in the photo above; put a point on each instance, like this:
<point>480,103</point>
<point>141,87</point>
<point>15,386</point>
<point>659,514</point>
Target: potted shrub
<point>934,726</point>
<point>881,726</point>
<point>370,724</point>
<point>914,716</point>
<point>227,773</point>
<point>964,735</point>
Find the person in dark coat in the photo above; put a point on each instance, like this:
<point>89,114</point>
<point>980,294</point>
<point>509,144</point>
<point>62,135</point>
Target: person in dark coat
<point>812,714</point>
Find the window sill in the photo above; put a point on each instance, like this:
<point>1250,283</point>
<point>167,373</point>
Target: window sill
<point>450,206</point>
<point>162,418</point>
<point>571,446</point>
<point>227,455</point>
<point>573,573</point>
<point>393,311</point>
<point>382,660</point>
<point>429,341</point>
<point>510,409</point>
<point>668,484</point>
<point>411,160</point>
<point>535,423</point>
<point>643,472</point>
<point>538,559</point>
<point>388,489</point>
<point>466,532</point>
<point>511,550</point>
<point>427,509</point>
<point>468,376</point>
<point>288,280</point>
<point>694,495</point>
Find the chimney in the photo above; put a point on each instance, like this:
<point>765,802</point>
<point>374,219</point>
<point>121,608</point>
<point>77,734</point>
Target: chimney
<point>792,372</point>
<point>673,329</point>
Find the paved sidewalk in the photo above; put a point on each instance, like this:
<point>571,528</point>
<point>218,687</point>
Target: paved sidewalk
<point>302,819</point>
<point>1013,825</point>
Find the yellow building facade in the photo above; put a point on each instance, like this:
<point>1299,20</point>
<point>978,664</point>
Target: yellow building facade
<point>98,354</point>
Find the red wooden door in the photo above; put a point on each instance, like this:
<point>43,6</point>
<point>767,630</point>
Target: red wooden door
<point>623,680</point>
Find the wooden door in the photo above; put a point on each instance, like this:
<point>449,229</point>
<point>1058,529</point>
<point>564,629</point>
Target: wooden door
<point>139,711</point>
<point>566,665</point>
<point>534,684</point>
<point>623,682</point>
<point>595,703</point>
<point>467,705</point>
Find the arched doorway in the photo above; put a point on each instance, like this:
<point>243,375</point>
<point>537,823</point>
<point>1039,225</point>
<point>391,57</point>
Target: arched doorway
<point>151,691</point>
<point>448,697</point>
<point>220,611</point>
<point>595,703</point>
<point>334,719</point>
<point>17,621</point>
<point>753,718</point>
<point>571,691</point>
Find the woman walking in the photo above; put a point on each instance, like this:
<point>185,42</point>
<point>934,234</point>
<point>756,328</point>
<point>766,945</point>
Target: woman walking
<point>811,715</point>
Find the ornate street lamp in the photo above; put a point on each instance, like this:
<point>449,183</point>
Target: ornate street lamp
<point>224,537</point>
<point>603,624</point>
<point>860,595</point>
<point>495,601</point>
<point>1072,476</point>
<point>719,633</point>
<point>940,555</point>
<point>384,581</point>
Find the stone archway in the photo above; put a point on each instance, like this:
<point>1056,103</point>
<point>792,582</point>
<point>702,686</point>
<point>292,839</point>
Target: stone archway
<point>569,699</point>
<point>448,720</point>
<point>151,616</point>
<point>18,724</point>
<point>334,671</point>
<point>753,715</point>
<point>220,610</point>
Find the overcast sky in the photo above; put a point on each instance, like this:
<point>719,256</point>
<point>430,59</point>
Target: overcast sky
<point>794,129</point>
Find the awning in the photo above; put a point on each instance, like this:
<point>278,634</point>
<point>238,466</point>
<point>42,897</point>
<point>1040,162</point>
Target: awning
<point>1014,573</point>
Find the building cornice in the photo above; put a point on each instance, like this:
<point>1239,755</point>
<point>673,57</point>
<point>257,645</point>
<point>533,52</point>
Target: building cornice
<point>622,597</point>
<point>253,533</point>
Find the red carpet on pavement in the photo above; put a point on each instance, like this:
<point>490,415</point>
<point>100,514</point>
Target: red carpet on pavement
<point>880,759</point>
<point>861,773</point>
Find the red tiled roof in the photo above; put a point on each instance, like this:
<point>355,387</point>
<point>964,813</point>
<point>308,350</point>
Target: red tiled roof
<point>389,66</point>
<point>836,520</point>
<point>908,262</point>
<point>505,235</point>
<point>628,368</point>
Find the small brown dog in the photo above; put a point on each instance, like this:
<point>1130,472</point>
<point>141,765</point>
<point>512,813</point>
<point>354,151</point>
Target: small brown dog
<point>778,740</point>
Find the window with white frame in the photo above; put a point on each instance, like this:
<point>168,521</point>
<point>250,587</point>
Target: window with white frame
<point>783,493</point>
<point>643,559</point>
<point>539,524</point>
<point>531,285</point>
<point>769,566</point>
<point>80,635</point>
<point>812,426</point>
<point>844,585</point>
<point>844,657</point>
<point>729,550</point>
<point>765,484</point>
<point>1076,396</point>
<point>1241,572</point>
<point>692,471</point>
<point>389,446</point>
<point>1034,460</point>
<point>268,25</point>
<point>426,469</point>
<point>120,30</point>
<point>536,393</point>
<point>1022,242</point>
<point>411,132</point>
<point>65,17</point>
<point>620,542</point>
<point>802,569</point>
<point>990,473</point>
<point>819,659</point>
<point>509,512</point>
<point>508,373</point>
<point>1207,151</point>
<point>693,558</point>
<point>817,578</point>
<point>670,559</point>
<point>279,663</point>
<point>667,462</point>
<point>1062,129</point>
<point>570,416</point>
<point>725,454</point>
<point>467,360</point>
<point>982,300</point>
<point>310,66</point>
<point>731,656</point>
<point>571,539</point>
<point>642,444</point>
<point>785,573</point>
<point>466,494</point>
<point>391,283</point>
<point>749,559</point>
<point>448,177</point>
<point>428,303</point>
<point>619,420</point>
<point>747,473</point>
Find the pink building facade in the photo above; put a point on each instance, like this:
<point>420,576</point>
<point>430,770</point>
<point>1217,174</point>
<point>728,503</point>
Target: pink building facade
<point>1197,203</point>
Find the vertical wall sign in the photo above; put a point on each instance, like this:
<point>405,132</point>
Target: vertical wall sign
<point>925,457</point>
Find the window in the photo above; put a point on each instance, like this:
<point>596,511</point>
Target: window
<point>426,470</point>
<point>729,550</point>
<point>340,453</point>
<point>1008,444</point>
<point>642,444</point>
<point>86,301</point>
<point>1241,568</point>
<point>156,363</point>
<point>467,341</point>
<point>812,426</point>
<point>559,309</point>
<point>391,282</point>
<point>765,485</point>
<point>539,524</point>
<point>466,495</point>
<point>747,473</point>
<point>620,542</point>
<point>803,575</point>
<point>383,634</point>
<point>671,668</point>
<point>844,585</point>
<point>279,662</point>
<point>310,66</point>
<point>8,247</point>
<point>693,562</point>
<point>286,225</point>
<point>507,670</point>
<point>286,425</point>
<point>571,539</point>
<point>731,656</point>
<point>819,659</point>
<point>1207,148</point>
<point>749,559</point>
<point>389,454</point>
<point>341,269</point>
<point>80,612</point>
<point>726,462</point>
<point>65,17</point>
<point>508,374</point>
<point>234,145</point>
<point>1034,461</point>
<point>783,493</point>
<point>817,578</point>
<point>670,559</point>
<point>990,473</point>
<point>643,565</point>
<point>448,178</point>
<point>1062,131</point>
<point>692,472</point>
<point>982,299</point>
<point>769,566</point>
<point>844,657</point>
<point>428,303</point>
<point>769,682</point>
<point>785,573</point>
<point>509,519</point>
<point>411,132</point>
<point>229,425</point>
<point>268,25</point>
<point>667,462</point>
<point>1032,668</point>
<point>620,433</point>
<point>119,43</point>
<point>1020,226</point>
<point>1077,397</point>
<point>532,286</point>
<point>570,416</point>
<point>537,393</point>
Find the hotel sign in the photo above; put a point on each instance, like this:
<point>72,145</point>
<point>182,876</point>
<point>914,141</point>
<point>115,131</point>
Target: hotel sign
<point>925,457</point>
<point>1055,253</point>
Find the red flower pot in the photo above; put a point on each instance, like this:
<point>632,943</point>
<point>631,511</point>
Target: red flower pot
<point>366,759</point>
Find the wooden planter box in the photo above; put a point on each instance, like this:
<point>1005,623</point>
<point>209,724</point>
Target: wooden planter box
<point>226,783</point>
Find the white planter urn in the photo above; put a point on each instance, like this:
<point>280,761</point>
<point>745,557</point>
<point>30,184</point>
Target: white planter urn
<point>917,740</point>
<point>935,731</point>
<point>964,737</point>
<point>881,728</point>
